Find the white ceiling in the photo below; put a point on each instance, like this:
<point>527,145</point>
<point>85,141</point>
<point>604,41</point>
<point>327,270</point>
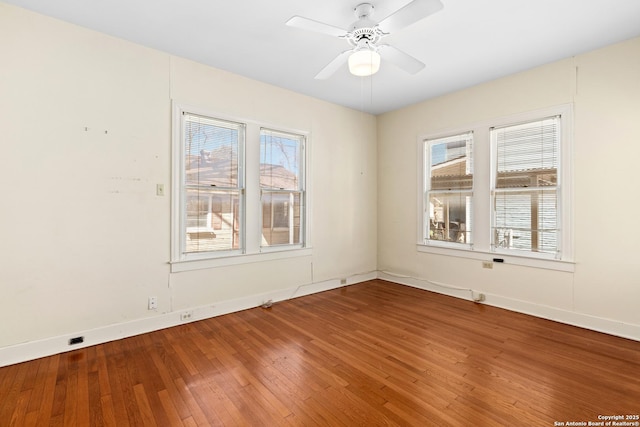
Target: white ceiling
<point>466,43</point>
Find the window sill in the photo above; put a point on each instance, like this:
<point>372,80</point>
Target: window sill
<point>547,264</point>
<point>238,259</point>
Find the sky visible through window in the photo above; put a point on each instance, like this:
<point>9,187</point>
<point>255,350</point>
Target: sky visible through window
<point>441,153</point>
<point>275,150</point>
<point>281,151</point>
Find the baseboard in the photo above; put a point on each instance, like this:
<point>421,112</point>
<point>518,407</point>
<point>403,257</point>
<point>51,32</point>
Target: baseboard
<point>607,326</point>
<point>46,347</point>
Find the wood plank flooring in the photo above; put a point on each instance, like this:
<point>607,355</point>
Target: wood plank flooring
<point>371,354</point>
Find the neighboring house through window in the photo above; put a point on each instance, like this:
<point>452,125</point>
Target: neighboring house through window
<point>282,187</point>
<point>449,191</point>
<point>213,190</point>
<point>501,187</point>
<point>225,207</point>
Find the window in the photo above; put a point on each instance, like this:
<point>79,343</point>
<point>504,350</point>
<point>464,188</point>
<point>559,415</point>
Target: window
<point>212,185</point>
<point>500,188</point>
<point>448,195</point>
<point>282,188</point>
<point>525,191</point>
<point>239,191</point>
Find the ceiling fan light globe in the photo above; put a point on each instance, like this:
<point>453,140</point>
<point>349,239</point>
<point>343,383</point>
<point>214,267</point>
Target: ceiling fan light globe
<point>364,62</point>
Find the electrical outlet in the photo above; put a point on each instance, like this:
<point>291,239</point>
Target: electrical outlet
<point>185,316</point>
<point>477,296</point>
<point>153,303</point>
<point>343,281</point>
<point>487,264</point>
<point>76,340</point>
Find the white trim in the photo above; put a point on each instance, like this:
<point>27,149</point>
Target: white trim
<point>178,216</point>
<point>251,251</point>
<point>480,247</point>
<point>49,346</point>
<point>238,258</point>
<point>510,258</point>
<point>565,177</point>
<point>302,139</point>
<point>607,326</point>
<point>422,161</point>
<point>176,181</point>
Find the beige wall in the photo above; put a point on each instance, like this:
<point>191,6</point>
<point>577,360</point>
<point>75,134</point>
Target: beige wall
<point>85,122</point>
<point>604,87</point>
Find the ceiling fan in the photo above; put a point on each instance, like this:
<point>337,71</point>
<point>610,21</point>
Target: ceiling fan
<point>364,34</point>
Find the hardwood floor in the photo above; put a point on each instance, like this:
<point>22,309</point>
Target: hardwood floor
<point>370,354</point>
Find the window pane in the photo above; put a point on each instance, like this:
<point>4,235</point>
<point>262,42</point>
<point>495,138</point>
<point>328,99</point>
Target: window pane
<point>525,198</point>
<point>526,220</point>
<point>451,163</point>
<point>282,181</point>
<point>212,221</point>
<point>450,217</point>
<point>211,152</point>
<point>281,218</point>
<point>280,160</point>
<point>448,196</point>
<point>527,154</point>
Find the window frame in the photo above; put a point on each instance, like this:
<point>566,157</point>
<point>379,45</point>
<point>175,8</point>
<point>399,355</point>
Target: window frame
<point>484,171</point>
<point>251,250</point>
<point>427,191</point>
<point>515,190</point>
<point>179,252</point>
<point>301,190</point>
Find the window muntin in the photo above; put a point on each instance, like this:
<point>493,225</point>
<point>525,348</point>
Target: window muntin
<point>525,203</point>
<point>449,189</point>
<point>282,188</point>
<point>212,196</point>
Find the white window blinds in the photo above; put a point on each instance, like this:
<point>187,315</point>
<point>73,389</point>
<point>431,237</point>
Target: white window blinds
<point>526,187</point>
<point>212,184</point>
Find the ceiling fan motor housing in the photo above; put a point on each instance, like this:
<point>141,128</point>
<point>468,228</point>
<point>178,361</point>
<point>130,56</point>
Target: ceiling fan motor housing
<point>367,35</point>
<point>364,31</point>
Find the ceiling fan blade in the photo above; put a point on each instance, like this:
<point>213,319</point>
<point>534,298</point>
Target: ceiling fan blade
<point>333,66</point>
<point>315,26</point>
<point>402,60</point>
<point>409,14</point>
